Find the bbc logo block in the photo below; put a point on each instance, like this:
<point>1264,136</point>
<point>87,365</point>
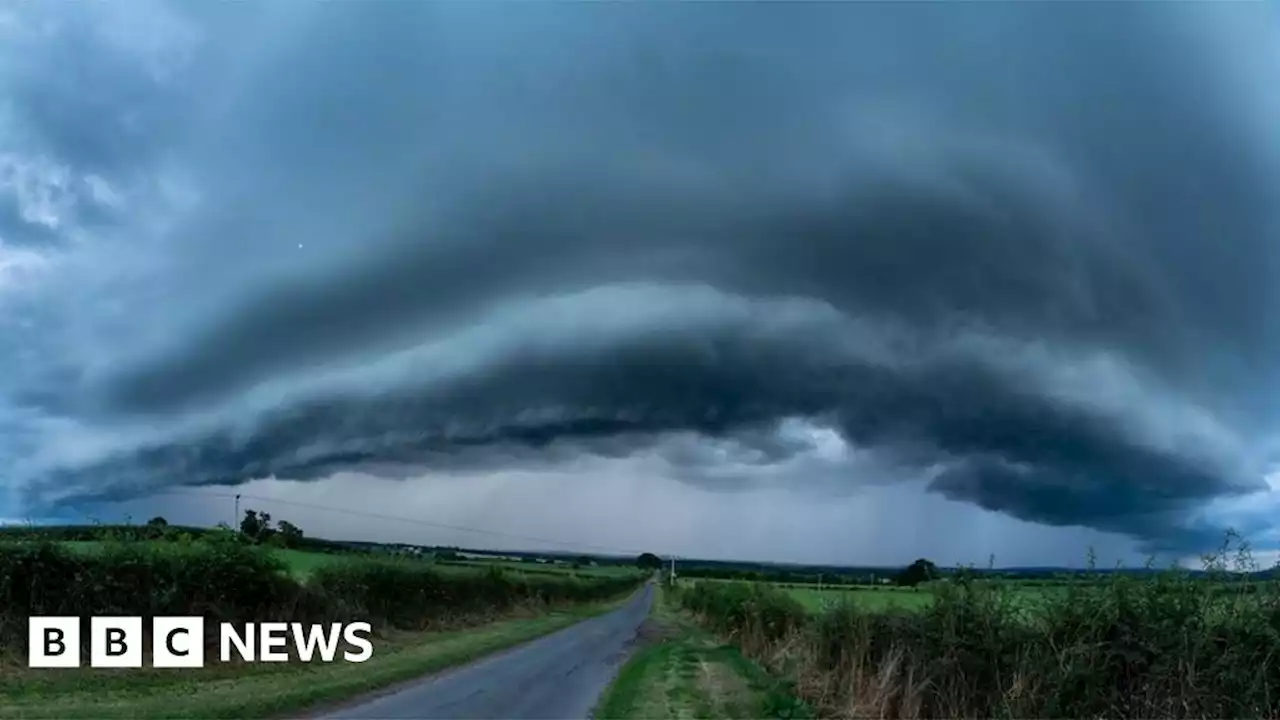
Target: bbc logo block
<point>179,642</point>
<point>115,642</point>
<point>53,642</point>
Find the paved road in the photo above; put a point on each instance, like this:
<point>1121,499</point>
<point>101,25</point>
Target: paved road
<point>556,677</point>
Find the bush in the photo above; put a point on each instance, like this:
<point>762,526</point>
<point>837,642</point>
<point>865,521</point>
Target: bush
<point>414,595</point>
<point>757,615</point>
<point>1159,645</point>
<point>224,578</point>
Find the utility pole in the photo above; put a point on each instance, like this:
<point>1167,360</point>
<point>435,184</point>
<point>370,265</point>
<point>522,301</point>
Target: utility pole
<point>673,569</point>
<point>235,519</point>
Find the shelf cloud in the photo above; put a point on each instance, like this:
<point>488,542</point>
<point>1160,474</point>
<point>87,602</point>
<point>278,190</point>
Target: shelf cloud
<point>1024,255</point>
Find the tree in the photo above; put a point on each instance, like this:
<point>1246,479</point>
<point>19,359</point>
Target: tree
<point>649,561</point>
<point>290,534</point>
<point>250,525</point>
<point>256,525</point>
<point>157,521</point>
<point>917,572</point>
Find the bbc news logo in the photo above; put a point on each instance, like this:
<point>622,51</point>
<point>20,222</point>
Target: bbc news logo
<point>179,642</point>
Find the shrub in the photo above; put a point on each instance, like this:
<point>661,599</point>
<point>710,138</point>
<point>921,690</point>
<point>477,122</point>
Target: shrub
<point>226,579</point>
<point>1157,645</point>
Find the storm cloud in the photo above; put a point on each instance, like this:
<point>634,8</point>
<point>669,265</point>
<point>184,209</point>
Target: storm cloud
<point>1024,253</point>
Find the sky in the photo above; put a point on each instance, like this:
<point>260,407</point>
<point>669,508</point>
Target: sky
<point>836,282</point>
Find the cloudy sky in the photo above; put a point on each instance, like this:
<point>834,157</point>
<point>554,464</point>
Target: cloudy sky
<point>826,282</point>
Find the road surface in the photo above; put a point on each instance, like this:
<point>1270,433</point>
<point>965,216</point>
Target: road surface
<point>557,677</point>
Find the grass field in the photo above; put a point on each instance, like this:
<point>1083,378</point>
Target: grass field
<point>817,600</point>
<point>544,568</point>
<point>874,599</point>
<point>302,563</point>
<point>889,597</point>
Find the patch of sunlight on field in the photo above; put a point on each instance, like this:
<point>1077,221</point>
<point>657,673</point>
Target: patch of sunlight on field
<point>302,563</point>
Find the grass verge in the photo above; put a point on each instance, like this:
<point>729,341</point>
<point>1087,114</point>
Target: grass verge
<point>683,672</point>
<point>262,690</point>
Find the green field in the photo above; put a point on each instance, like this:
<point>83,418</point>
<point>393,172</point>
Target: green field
<point>871,598</point>
<point>302,563</point>
<point>874,599</point>
<point>887,597</point>
<point>1023,596</point>
<point>529,568</point>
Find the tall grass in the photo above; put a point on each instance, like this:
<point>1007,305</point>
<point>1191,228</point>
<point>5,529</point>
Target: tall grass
<point>1165,644</point>
<point>225,580</point>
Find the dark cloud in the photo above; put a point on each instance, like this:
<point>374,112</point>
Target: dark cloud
<point>1026,249</point>
<point>1005,447</point>
<point>85,85</point>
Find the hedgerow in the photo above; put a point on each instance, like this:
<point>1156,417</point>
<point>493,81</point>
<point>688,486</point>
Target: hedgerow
<point>1159,645</point>
<point>225,580</point>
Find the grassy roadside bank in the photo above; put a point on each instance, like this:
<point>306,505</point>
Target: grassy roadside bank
<point>265,690</point>
<point>682,671</point>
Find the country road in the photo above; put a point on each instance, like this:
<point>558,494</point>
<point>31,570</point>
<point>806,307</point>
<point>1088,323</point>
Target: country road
<point>559,676</point>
